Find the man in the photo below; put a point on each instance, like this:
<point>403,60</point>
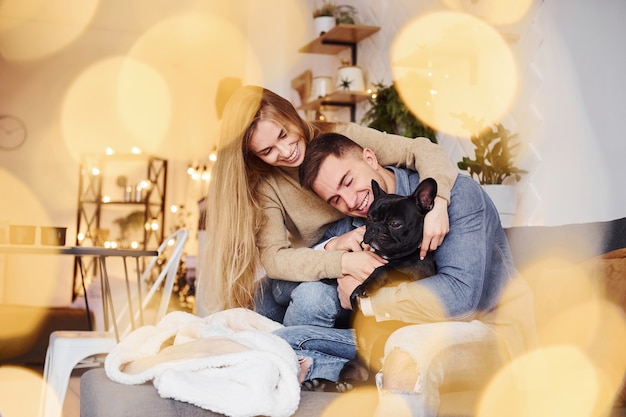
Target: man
<point>470,318</point>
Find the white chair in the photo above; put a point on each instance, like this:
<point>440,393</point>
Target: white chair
<point>67,348</point>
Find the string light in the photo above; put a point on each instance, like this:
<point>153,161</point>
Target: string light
<point>198,172</point>
<point>213,154</point>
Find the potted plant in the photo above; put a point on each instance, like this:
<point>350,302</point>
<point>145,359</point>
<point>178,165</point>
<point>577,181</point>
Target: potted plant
<point>494,168</point>
<point>345,14</point>
<point>324,17</point>
<point>388,113</point>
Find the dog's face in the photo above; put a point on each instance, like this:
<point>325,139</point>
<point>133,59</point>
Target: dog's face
<point>394,223</point>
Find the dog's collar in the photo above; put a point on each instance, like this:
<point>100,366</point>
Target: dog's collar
<point>392,258</point>
<point>401,255</point>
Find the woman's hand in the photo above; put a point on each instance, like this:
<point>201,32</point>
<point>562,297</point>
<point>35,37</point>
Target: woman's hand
<point>436,226</point>
<point>351,241</point>
<point>361,264</point>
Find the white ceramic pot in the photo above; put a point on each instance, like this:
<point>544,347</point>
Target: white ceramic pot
<point>321,87</point>
<point>350,78</point>
<point>504,197</point>
<point>323,24</point>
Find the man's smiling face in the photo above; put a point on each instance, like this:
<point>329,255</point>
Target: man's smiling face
<point>346,182</point>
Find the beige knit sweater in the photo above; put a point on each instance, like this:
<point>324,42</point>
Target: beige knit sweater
<point>295,219</point>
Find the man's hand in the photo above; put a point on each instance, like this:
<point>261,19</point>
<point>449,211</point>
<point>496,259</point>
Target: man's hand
<point>436,226</point>
<point>345,287</point>
<point>351,241</point>
<point>360,265</point>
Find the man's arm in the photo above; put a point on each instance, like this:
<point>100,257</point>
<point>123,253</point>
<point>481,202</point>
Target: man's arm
<point>436,227</point>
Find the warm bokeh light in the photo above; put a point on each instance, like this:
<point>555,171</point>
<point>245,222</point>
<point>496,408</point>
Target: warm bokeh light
<point>495,12</point>
<point>450,67</point>
<point>564,384</point>
<point>144,103</point>
<point>18,330</point>
<point>580,363</point>
<point>43,285</point>
<point>193,51</point>
<point>359,402</point>
<point>20,389</point>
<point>33,29</point>
<point>92,117</point>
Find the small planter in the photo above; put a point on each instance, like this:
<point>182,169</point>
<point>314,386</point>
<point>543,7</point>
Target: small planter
<point>322,86</point>
<point>350,78</point>
<point>53,236</point>
<point>22,235</point>
<point>504,197</point>
<point>345,15</point>
<point>323,24</point>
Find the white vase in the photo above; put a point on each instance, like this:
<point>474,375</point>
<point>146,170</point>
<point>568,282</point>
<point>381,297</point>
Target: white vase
<point>350,78</point>
<point>323,24</point>
<point>321,87</point>
<point>504,197</point>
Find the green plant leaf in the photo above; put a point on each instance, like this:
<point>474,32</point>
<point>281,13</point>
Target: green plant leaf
<point>493,153</point>
<point>388,113</point>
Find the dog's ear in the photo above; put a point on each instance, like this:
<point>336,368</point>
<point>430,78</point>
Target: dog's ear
<point>377,190</point>
<point>425,195</point>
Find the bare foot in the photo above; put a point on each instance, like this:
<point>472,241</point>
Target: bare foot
<point>305,363</point>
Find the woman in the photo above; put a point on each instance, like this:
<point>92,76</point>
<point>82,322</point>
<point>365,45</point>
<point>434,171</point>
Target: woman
<point>258,216</point>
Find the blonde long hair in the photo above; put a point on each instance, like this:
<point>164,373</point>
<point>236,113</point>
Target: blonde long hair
<point>228,274</point>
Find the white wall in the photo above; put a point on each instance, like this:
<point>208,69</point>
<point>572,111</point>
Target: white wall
<point>569,108</point>
<point>63,84</point>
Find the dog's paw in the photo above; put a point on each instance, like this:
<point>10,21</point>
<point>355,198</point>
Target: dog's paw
<point>354,372</point>
<point>343,386</point>
<point>315,384</point>
<point>324,385</point>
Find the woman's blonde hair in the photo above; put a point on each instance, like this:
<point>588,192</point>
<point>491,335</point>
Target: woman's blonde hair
<point>228,274</point>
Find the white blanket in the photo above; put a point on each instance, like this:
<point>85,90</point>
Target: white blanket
<point>228,362</point>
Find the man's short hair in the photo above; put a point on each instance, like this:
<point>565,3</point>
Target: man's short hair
<point>319,149</point>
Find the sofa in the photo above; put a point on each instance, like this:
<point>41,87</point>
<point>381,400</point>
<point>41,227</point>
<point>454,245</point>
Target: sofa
<point>25,330</point>
<point>595,251</point>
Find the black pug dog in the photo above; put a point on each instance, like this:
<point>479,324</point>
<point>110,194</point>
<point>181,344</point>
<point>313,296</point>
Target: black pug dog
<point>394,229</point>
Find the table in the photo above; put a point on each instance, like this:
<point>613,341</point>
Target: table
<point>78,252</point>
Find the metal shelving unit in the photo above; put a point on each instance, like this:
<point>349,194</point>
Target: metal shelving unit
<point>101,196</point>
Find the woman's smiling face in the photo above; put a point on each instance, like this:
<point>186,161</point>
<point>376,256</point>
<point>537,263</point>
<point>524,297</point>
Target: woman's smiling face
<point>271,143</point>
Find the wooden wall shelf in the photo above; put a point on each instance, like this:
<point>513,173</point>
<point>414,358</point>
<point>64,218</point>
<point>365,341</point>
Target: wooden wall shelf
<point>337,39</point>
<point>337,98</point>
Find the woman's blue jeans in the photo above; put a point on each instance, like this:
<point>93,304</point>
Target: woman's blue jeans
<point>328,348</point>
<point>299,303</point>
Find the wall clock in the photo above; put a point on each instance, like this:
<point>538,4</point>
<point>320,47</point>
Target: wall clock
<point>12,132</point>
